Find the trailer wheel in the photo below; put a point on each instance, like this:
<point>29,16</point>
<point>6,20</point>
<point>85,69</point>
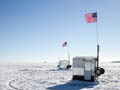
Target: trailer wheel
<point>102,71</point>
<point>98,72</point>
<point>68,67</point>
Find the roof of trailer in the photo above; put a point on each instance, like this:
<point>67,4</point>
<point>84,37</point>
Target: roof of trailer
<point>86,57</point>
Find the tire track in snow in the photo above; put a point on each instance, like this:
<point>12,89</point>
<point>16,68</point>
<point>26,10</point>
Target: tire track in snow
<point>11,86</point>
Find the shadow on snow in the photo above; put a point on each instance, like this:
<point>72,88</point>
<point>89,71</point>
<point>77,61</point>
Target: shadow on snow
<point>74,85</point>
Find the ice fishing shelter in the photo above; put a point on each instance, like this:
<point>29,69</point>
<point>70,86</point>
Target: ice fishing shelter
<point>87,68</point>
<point>64,64</point>
<point>84,68</point>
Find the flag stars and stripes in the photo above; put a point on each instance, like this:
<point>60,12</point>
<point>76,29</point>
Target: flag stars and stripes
<point>91,17</point>
<point>64,44</point>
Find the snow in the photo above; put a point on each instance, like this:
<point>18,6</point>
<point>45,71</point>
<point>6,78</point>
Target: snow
<point>47,76</point>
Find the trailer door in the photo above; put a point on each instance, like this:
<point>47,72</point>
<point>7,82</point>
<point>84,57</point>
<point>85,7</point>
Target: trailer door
<point>87,70</point>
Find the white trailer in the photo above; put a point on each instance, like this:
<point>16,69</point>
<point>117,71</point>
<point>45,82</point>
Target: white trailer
<point>64,64</point>
<point>85,68</point>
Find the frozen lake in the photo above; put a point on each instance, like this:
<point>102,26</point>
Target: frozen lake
<point>49,77</point>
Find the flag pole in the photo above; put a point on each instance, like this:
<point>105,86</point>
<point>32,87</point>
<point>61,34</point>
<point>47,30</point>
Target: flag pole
<point>68,55</point>
<point>98,47</point>
<point>97,31</point>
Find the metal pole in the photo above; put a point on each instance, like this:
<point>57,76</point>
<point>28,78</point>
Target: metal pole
<point>97,32</point>
<point>98,47</point>
<point>68,55</point>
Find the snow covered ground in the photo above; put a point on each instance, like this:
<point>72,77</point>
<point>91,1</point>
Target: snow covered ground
<point>47,77</point>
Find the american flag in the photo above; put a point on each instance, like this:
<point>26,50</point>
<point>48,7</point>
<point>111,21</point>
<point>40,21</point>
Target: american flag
<point>91,17</point>
<point>64,44</point>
